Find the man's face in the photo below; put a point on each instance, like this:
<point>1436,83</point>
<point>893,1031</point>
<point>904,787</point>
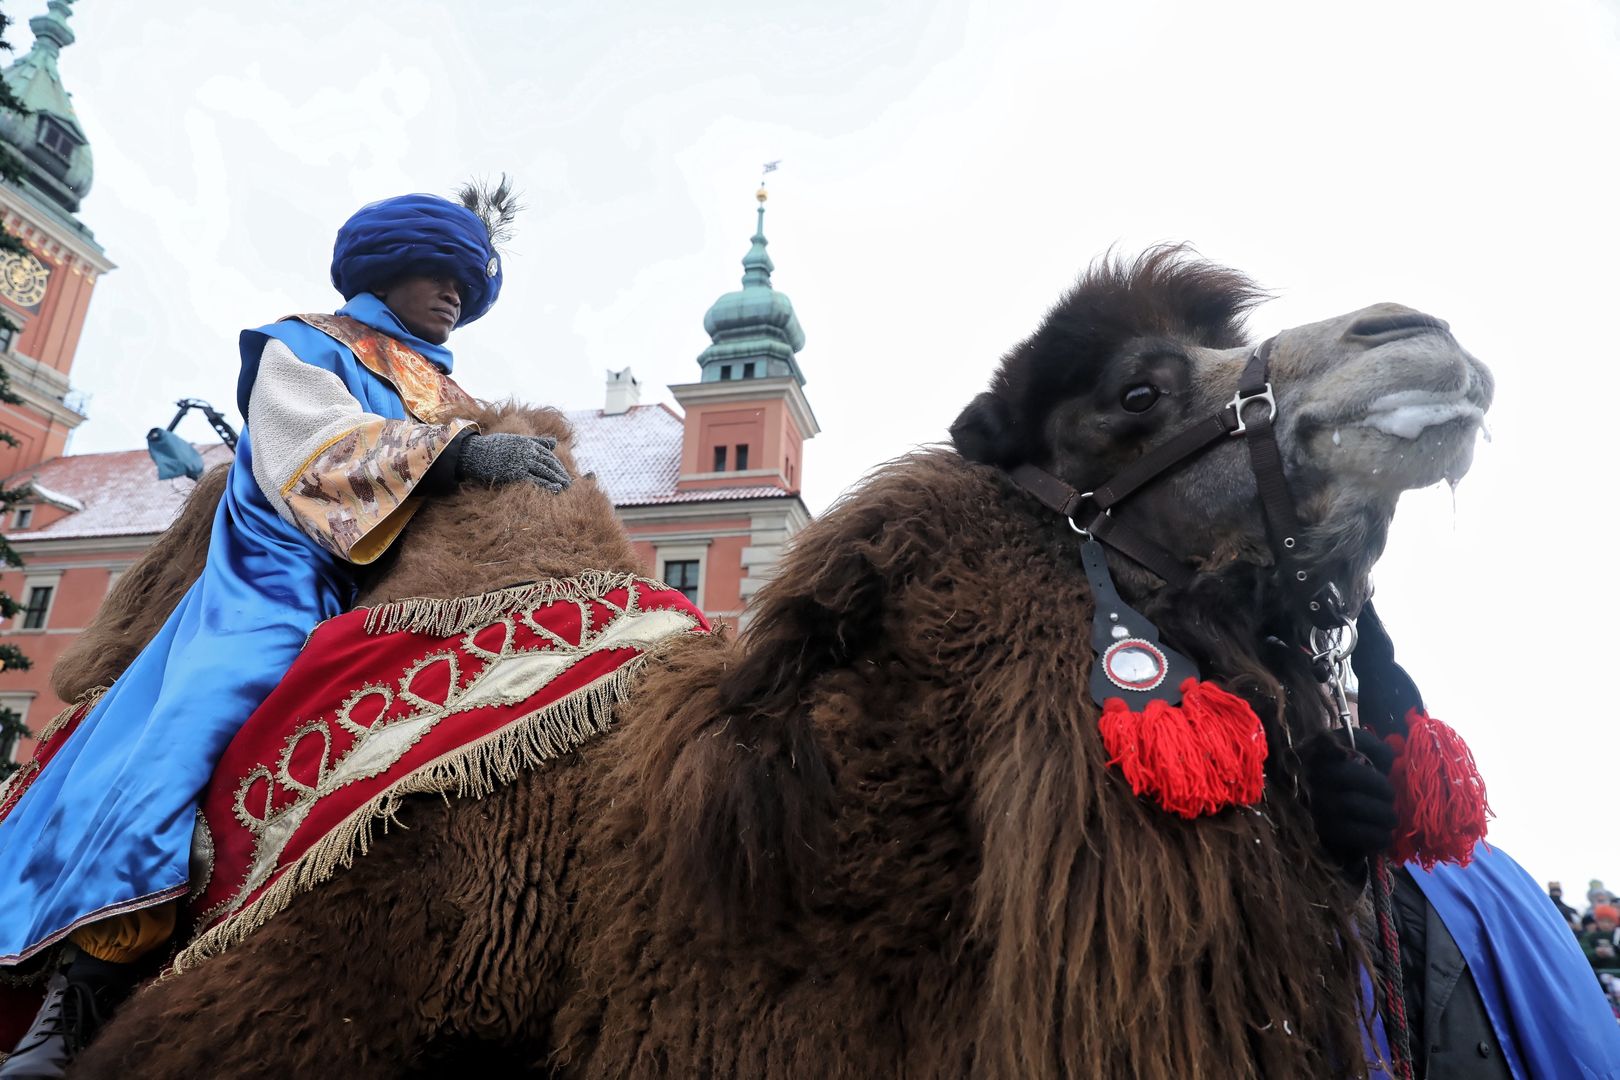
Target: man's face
<point>428,306</point>
<point>1605,923</point>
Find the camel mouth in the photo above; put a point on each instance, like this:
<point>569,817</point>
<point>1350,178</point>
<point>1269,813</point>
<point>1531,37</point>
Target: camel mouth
<point>1407,414</point>
<point>1401,440</point>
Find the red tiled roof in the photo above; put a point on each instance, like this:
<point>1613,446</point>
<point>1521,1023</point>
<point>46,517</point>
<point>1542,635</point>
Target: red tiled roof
<point>636,457</point>
<point>121,493</point>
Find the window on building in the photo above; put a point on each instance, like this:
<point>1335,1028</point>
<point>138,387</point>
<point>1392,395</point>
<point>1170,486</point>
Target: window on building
<point>682,576</point>
<point>742,456</point>
<point>23,518</point>
<point>790,473</point>
<point>748,370</point>
<point>725,371</point>
<point>38,607</point>
<point>719,459</point>
<point>8,334</point>
<point>56,138</point>
<point>17,703</point>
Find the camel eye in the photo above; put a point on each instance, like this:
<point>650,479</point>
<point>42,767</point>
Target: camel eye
<point>1139,398</point>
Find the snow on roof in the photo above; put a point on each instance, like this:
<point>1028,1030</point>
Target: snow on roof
<point>635,455</point>
<point>119,493</point>
<point>66,502</point>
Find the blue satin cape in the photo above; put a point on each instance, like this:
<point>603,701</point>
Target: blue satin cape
<point>1550,1015</point>
<point>107,826</point>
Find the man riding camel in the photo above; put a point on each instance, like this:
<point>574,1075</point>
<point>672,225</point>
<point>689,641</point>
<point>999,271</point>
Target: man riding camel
<point>352,419</point>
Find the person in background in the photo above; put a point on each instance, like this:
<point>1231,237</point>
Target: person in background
<point>1601,944</point>
<point>1555,892</point>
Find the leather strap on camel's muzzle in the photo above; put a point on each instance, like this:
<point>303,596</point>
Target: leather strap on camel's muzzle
<point>1091,514</point>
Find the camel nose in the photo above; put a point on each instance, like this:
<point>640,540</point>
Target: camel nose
<point>1391,322</point>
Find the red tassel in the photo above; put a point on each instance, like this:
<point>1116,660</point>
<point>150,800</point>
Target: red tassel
<point>1195,758</point>
<point>1439,794</point>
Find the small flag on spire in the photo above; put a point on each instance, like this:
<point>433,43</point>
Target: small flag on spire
<point>770,166</point>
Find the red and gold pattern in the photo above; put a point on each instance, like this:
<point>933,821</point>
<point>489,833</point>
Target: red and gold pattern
<point>298,791</point>
<point>428,393</point>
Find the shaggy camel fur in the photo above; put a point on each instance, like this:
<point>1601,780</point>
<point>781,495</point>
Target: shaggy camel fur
<point>878,834</point>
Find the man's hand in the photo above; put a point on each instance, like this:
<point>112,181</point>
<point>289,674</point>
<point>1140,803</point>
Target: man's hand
<point>1351,798</point>
<point>506,459</point>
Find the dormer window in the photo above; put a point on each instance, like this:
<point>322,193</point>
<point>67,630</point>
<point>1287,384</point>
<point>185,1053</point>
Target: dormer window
<point>57,138</point>
<point>23,517</point>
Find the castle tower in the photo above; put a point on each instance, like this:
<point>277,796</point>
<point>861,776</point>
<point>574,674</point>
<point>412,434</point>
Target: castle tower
<point>747,418</point>
<point>45,290</point>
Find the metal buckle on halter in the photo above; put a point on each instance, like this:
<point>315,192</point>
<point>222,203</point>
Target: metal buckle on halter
<point>1085,534</point>
<point>1240,399</point>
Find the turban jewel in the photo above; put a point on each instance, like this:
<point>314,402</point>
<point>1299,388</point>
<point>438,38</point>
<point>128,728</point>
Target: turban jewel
<point>420,234</point>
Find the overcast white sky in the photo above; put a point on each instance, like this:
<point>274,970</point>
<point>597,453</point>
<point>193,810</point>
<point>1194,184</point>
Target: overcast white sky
<point>948,167</point>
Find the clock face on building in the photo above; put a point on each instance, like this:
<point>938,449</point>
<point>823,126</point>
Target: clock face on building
<point>22,278</point>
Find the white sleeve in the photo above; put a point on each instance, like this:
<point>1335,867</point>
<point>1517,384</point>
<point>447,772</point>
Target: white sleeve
<point>295,411</point>
<point>346,478</point>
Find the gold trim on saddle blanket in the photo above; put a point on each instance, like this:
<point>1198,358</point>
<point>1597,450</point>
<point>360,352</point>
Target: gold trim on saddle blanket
<point>554,658</point>
<point>428,393</point>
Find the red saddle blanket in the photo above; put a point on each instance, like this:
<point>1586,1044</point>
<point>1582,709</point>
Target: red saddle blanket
<point>452,697</point>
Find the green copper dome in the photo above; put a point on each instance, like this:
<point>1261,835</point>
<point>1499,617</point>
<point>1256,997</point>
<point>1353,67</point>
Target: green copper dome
<point>49,139</point>
<point>754,331</point>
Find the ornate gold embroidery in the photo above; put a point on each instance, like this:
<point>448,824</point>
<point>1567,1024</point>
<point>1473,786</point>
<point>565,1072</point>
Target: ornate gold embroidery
<point>353,497</point>
<point>506,674</point>
<point>428,393</point>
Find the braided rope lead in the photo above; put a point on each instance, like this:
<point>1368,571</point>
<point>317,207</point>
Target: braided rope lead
<point>1391,979</point>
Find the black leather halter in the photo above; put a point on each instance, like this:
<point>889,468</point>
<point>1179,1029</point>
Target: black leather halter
<point>1333,637</point>
<point>1091,514</point>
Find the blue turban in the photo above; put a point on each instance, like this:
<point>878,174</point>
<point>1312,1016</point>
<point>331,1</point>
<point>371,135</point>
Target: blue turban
<point>418,234</point>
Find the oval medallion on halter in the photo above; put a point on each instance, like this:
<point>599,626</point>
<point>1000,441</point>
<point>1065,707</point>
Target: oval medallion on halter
<point>1135,664</point>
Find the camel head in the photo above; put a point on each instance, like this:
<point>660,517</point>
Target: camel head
<point>1370,404</point>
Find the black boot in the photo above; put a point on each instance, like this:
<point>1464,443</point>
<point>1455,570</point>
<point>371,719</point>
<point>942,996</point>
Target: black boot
<point>79,999</point>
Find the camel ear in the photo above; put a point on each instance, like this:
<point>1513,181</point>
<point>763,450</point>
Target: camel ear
<point>987,432</point>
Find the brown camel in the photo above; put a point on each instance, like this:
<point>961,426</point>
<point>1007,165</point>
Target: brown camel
<point>877,834</point>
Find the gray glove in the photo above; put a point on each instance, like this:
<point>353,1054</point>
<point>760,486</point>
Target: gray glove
<point>505,459</point>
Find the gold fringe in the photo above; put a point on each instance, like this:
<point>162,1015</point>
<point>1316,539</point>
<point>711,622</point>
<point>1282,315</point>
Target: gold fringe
<point>448,618</point>
<point>474,770</point>
<point>86,700</point>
